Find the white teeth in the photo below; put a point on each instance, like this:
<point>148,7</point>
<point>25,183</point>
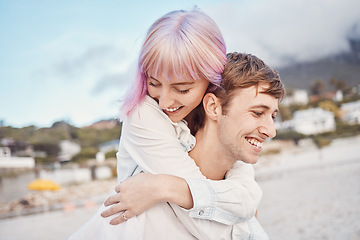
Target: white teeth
<point>171,109</point>
<point>254,142</point>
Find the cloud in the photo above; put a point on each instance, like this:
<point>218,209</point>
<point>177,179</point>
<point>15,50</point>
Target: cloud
<point>92,63</point>
<point>94,58</point>
<point>120,81</point>
<point>354,32</point>
<point>282,31</point>
<point>83,56</point>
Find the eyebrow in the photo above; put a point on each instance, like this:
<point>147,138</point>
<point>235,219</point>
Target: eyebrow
<point>177,84</point>
<point>264,107</point>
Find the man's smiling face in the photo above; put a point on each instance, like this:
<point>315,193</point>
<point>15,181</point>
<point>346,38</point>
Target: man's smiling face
<point>248,122</point>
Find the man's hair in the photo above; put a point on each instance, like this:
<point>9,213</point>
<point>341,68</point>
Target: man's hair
<point>246,70</point>
<point>180,43</point>
<point>242,71</point>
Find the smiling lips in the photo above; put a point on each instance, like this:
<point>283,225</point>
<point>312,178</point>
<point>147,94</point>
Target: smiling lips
<point>172,109</point>
<point>254,142</point>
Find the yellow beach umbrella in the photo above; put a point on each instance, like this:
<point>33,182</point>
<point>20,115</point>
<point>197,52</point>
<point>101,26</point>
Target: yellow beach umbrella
<point>43,184</point>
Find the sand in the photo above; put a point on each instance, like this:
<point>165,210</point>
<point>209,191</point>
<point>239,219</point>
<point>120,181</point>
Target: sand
<point>308,194</point>
<point>315,203</point>
<point>311,193</point>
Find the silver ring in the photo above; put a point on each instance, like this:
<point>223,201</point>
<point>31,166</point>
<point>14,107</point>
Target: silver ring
<point>123,215</point>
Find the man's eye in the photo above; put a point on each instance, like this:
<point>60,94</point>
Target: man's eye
<point>258,113</point>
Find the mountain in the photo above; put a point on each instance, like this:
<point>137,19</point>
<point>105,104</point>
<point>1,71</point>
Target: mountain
<point>345,67</point>
<point>103,124</point>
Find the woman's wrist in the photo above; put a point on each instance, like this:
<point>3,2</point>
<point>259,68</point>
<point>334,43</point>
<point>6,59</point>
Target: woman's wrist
<point>174,190</point>
<point>161,188</point>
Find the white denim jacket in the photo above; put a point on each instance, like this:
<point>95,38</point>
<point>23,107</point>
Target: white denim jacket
<point>222,209</point>
<point>151,142</point>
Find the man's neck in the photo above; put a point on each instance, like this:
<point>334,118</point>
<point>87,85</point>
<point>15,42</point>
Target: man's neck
<point>208,155</point>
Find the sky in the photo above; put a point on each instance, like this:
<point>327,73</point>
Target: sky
<point>73,60</point>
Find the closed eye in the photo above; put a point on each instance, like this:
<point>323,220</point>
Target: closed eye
<point>153,84</point>
<point>275,113</point>
<point>258,114</point>
<point>182,91</point>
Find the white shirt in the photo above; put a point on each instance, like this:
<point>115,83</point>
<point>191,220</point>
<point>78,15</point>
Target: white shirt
<point>150,142</point>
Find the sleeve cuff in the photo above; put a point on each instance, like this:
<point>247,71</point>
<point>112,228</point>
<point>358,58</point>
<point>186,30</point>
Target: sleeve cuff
<point>203,198</point>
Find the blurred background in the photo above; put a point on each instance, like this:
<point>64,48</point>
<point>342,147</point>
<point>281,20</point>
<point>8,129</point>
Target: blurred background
<point>65,65</point>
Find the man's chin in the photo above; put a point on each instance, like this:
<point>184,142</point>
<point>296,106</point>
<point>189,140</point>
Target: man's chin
<point>251,160</point>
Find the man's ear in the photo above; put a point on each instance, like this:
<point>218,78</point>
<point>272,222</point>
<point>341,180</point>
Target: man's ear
<point>212,106</point>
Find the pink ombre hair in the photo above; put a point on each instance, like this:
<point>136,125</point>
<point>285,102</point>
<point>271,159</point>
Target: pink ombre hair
<point>181,43</point>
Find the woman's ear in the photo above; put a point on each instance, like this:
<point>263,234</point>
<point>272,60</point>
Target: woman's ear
<point>211,106</point>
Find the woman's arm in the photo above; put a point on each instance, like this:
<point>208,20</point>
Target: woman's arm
<point>142,191</point>
<point>152,142</point>
<point>229,201</point>
<point>154,145</point>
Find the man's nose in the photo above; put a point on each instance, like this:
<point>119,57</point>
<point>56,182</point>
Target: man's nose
<point>268,128</point>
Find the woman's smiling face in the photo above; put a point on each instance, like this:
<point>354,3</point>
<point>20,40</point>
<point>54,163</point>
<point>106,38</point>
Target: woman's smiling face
<point>177,97</point>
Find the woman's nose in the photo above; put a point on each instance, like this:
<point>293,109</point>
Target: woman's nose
<point>165,99</point>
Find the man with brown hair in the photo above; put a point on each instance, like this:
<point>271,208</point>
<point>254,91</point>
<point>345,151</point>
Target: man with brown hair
<point>237,118</point>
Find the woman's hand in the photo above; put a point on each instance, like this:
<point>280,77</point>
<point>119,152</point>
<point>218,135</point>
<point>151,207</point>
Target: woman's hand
<point>134,196</point>
<point>142,191</point>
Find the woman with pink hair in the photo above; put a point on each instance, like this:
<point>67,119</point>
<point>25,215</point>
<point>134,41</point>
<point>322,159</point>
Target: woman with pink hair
<point>182,58</point>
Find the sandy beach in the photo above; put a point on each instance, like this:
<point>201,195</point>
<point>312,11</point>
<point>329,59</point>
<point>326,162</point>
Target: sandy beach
<point>308,194</point>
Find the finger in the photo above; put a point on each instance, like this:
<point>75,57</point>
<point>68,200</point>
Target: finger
<point>113,199</point>
<point>123,217</point>
<point>117,188</point>
<point>116,208</point>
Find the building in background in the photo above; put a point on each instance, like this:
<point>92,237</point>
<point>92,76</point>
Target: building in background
<point>309,122</point>
<point>7,161</point>
<point>351,112</point>
<point>313,121</point>
<point>68,150</point>
<point>296,97</point>
<point>109,146</point>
